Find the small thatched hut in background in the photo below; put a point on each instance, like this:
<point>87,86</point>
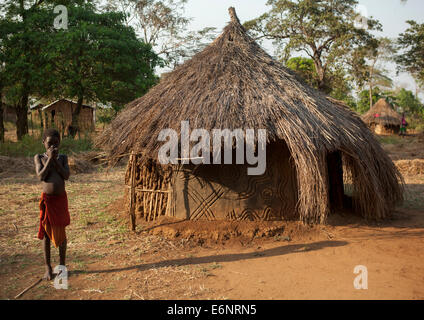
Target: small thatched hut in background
<point>382,118</point>
<point>58,114</point>
<point>315,149</point>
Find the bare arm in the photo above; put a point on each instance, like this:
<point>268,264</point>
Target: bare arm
<point>62,168</point>
<point>42,170</point>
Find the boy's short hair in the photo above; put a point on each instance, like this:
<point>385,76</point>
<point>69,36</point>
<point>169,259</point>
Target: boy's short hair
<point>51,133</point>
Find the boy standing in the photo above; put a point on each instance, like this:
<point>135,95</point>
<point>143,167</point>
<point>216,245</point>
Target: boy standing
<point>52,169</point>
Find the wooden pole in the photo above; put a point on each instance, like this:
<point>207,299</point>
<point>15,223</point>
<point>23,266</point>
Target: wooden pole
<point>160,204</point>
<point>144,206</point>
<point>155,208</point>
<point>150,205</point>
<point>132,193</point>
<point>168,202</point>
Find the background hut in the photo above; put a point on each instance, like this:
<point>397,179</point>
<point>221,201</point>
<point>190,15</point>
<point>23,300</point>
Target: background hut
<point>58,114</point>
<point>36,114</point>
<point>312,143</point>
<point>9,113</point>
<point>382,118</point>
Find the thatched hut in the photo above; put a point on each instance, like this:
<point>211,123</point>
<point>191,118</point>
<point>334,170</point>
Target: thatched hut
<point>58,114</point>
<point>382,118</point>
<point>315,147</point>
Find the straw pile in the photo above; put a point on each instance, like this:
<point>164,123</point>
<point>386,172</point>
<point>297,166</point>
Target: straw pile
<point>410,167</point>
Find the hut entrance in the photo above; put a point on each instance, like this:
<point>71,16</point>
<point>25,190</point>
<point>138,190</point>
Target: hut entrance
<point>335,175</point>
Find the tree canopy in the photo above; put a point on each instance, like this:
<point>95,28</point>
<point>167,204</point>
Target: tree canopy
<point>326,31</point>
<point>411,42</point>
<point>96,58</point>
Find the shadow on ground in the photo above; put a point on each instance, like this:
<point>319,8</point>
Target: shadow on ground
<point>279,251</point>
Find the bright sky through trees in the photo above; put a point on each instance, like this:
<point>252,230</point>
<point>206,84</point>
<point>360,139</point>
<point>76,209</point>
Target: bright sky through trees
<point>392,14</point>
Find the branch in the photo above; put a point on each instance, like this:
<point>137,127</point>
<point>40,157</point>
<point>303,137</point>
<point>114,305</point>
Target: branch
<point>326,43</point>
<point>271,36</point>
<point>37,3</point>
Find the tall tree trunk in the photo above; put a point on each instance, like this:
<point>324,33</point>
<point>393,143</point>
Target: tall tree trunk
<point>74,127</point>
<point>22,117</point>
<point>322,85</point>
<point>371,82</point>
<point>21,122</point>
<point>1,120</point>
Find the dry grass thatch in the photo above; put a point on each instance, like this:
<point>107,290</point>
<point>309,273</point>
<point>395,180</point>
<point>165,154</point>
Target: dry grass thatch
<point>387,116</point>
<point>233,83</point>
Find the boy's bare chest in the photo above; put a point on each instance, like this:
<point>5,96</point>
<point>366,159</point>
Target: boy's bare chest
<point>44,159</point>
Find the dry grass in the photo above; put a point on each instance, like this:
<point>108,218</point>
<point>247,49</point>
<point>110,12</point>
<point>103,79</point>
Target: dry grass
<point>98,238</point>
<point>411,167</point>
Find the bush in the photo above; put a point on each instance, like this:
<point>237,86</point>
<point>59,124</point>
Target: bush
<point>31,145</point>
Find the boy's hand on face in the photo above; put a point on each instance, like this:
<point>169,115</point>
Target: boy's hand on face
<point>50,152</point>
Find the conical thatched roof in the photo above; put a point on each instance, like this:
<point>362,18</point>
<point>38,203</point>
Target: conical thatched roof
<point>382,113</point>
<point>233,83</point>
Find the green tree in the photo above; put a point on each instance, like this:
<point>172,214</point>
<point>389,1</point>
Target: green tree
<point>409,102</point>
<point>325,31</point>
<point>99,58</point>
<point>411,59</point>
<point>2,74</point>
<point>363,103</point>
<point>305,68</point>
<point>26,26</point>
<point>370,65</point>
<point>338,81</point>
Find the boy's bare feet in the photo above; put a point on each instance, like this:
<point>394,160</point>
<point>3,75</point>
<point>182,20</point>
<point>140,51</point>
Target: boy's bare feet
<point>49,273</point>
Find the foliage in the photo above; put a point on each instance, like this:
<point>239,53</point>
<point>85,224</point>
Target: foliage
<point>324,30</point>
<point>305,68</point>
<point>96,58</point>
<point>25,32</point>
<point>100,59</point>
<point>340,86</point>
<point>409,102</point>
<point>412,58</point>
<point>363,103</point>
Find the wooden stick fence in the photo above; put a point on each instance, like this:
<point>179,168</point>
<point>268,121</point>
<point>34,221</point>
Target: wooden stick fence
<point>148,191</point>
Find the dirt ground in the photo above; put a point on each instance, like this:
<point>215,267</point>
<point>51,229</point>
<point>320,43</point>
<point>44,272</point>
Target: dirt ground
<point>208,260</point>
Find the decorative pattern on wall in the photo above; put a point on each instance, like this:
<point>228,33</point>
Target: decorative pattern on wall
<point>226,192</point>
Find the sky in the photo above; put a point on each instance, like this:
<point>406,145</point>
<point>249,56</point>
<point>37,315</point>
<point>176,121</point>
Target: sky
<point>392,14</point>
